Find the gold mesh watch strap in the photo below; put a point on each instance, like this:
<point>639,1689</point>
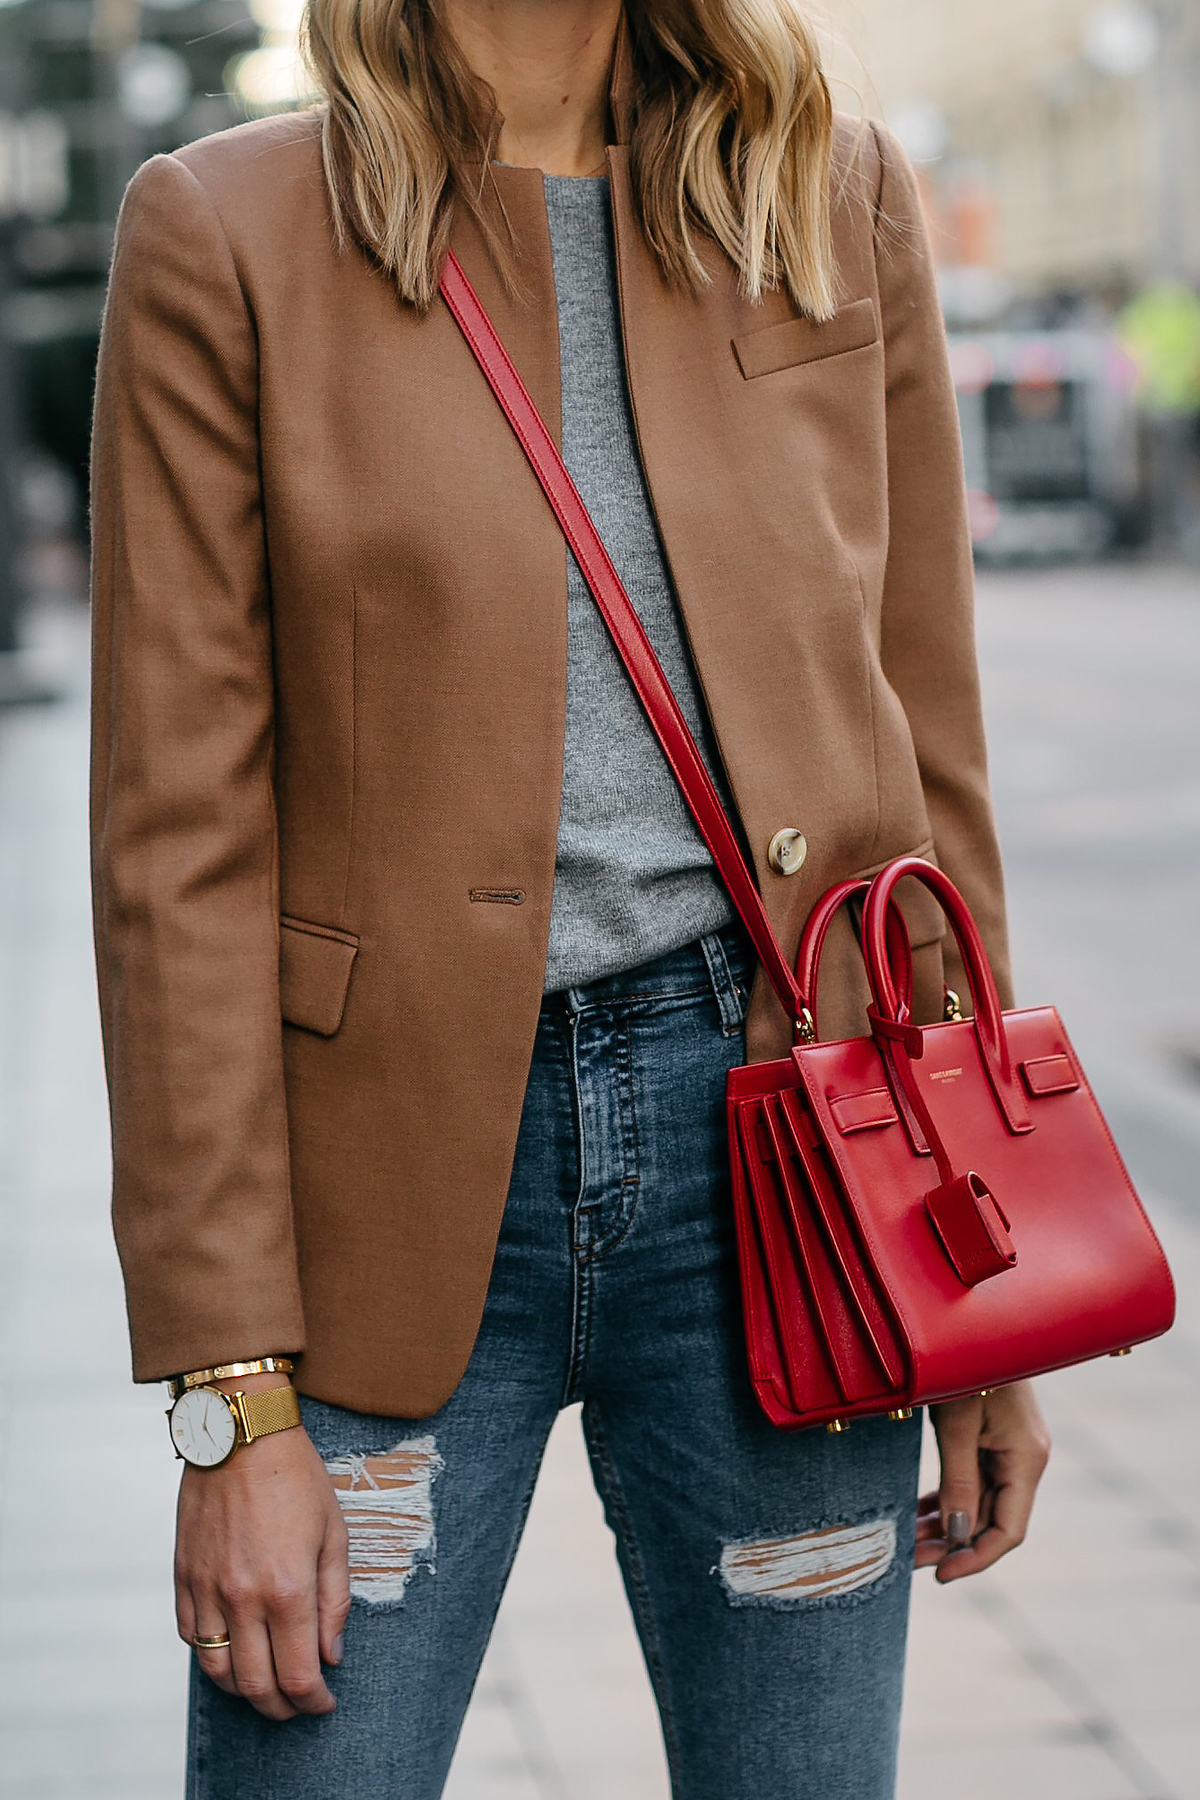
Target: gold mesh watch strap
<point>275,1410</point>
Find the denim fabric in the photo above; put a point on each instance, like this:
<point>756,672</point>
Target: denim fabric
<point>615,1284</point>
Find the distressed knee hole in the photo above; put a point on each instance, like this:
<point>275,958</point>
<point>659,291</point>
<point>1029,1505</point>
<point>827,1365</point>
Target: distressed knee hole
<point>387,1502</point>
<point>808,1565</point>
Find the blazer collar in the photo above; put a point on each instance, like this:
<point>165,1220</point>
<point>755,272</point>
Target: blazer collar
<point>620,84</point>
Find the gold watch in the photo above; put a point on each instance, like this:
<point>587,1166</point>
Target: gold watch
<point>207,1425</point>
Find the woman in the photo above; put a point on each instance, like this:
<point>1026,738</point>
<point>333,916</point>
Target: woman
<point>366,764</point>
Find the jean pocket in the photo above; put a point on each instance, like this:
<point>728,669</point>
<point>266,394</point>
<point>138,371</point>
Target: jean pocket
<point>732,963</point>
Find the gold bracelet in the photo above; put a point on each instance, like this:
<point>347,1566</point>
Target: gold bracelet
<point>263,1365</point>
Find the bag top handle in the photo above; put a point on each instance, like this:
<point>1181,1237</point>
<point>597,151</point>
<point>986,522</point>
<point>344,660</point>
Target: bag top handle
<point>812,942</point>
<point>633,646</point>
<point>989,1019</point>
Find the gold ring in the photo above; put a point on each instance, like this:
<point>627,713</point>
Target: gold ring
<point>211,1643</point>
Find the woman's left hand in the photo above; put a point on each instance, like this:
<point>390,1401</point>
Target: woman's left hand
<point>994,1449</point>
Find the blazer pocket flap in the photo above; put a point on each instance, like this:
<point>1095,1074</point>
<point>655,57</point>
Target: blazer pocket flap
<point>314,974</point>
<point>795,341</point>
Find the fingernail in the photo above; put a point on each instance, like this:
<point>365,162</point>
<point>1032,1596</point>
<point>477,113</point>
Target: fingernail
<point>339,1645</point>
<point>958,1527</point>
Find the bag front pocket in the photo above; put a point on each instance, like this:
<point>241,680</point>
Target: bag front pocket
<point>314,974</point>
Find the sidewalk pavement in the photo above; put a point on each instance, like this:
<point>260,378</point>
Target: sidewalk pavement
<point>1071,1671</point>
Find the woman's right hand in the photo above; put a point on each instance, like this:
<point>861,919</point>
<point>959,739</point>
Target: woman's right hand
<point>261,1557</point>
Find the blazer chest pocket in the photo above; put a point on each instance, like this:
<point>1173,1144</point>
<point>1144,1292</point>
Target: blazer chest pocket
<point>314,974</point>
<point>774,347</point>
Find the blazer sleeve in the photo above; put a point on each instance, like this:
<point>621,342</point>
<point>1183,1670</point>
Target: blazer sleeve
<point>184,843</point>
<point>928,619</point>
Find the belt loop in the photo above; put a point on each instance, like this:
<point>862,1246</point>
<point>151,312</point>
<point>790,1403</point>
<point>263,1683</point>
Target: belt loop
<point>730,1001</point>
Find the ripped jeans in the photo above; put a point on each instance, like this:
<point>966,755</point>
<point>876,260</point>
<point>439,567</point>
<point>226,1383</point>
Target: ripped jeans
<point>768,1572</point>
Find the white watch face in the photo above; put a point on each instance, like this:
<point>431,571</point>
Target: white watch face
<point>203,1427</point>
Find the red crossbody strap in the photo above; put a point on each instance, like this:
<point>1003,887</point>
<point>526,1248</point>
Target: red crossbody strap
<point>634,647</point>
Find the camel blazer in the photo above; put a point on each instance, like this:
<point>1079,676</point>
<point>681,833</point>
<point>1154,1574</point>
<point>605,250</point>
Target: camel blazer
<point>329,695</point>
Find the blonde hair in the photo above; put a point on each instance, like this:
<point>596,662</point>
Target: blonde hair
<point>731,126</point>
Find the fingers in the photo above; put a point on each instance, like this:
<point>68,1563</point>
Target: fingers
<point>254,1669</point>
<point>958,1427</point>
<point>297,1659</point>
<point>202,1616</point>
<point>207,1620</point>
<point>929,1515</point>
<point>1013,1447</point>
<point>333,1587</point>
<point>930,1543</point>
<point>185,1611</point>
<point>1009,1509</point>
<point>273,1659</point>
<point>948,1520</point>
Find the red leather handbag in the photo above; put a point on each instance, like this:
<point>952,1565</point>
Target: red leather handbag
<point>923,1211</point>
<point>932,1210</point>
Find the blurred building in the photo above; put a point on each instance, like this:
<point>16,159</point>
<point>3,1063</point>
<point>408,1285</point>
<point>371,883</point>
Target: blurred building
<point>1057,143</point>
<point>88,90</point>
<point>1058,140</point>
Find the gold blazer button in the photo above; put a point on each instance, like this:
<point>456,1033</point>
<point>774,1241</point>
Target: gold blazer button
<point>787,851</point>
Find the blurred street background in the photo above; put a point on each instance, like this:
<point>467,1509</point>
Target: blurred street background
<point>1058,147</point>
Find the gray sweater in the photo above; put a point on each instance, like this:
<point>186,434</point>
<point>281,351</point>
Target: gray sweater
<point>633,878</point>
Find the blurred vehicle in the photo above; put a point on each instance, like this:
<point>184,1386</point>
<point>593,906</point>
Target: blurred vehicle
<point>1052,443</point>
